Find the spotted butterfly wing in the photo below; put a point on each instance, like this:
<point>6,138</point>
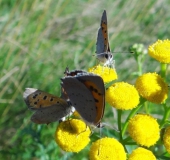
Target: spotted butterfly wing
<point>69,73</point>
<point>102,46</point>
<point>80,97</point>
<point>47,107</point>
<point>95,85</point>
<point>86,93</point>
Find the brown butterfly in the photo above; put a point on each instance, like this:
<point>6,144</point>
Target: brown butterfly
<point>47,107</point>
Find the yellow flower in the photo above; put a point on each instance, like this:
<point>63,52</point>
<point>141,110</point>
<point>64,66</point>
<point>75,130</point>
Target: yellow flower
<point>160,51</point>
<point>72,135</point>
<point>166,139</point>
<point>108,74</point>
<point>141,154</point>
<point>122,95</point>
<point>152,87</point>
<point>144,130</point>
<point>107,148</point>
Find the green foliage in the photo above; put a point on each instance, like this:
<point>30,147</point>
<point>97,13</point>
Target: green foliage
<point>40,38</point>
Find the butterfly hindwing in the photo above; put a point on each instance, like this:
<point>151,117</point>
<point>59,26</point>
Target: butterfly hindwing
<point>51,114</point>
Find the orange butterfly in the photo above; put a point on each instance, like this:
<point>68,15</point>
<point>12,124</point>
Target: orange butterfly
<point>102,46</point>
<point>48,108</point>
<point>82,90</point>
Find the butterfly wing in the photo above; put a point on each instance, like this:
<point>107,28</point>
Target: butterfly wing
<point>80,97</point>
<point>102,45</point>
<point>50,114</point>
<point>95,85</point>
<point>72,74</point>
<point>100,48</point>
<point>48,108</point>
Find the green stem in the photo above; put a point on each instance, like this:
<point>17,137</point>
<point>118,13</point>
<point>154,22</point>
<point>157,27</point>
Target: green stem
<point>163,70</point>
<point>139,66</point>
<point>119,124</point>
<point>127,139</point>
<point>166,115</point>
<point>132,113</point>
<point>120,127</point>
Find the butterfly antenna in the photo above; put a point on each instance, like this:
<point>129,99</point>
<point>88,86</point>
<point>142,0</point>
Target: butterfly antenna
<point>122,52</point>
<point>66,71</point>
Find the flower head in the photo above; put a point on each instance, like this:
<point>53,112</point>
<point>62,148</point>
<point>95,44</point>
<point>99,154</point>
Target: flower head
<point>144,130</point>
<point>141,154</point>
<point>152,87</point>
<point>166,139</point>
<point>107,148</point>
<point>120,94</point>
<point>108,74</point>
<point>72,135</point>
<point>160,51</point>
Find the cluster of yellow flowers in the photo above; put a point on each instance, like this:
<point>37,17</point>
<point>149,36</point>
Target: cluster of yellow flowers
<point>143,129</point>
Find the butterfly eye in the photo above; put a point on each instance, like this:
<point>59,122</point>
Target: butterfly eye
<point>106,56</point>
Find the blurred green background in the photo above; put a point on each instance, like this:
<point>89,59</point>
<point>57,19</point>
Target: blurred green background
<point>38,39</point>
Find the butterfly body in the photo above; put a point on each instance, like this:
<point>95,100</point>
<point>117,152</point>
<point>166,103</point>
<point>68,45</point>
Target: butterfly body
<point>102,46</point>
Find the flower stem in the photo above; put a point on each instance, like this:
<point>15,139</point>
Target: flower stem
<point>139,66</point>
<point>119,124</point>
<point>163,70</point>
<point>120,128</point>
<point>132,113</point>
<point>166,115</point>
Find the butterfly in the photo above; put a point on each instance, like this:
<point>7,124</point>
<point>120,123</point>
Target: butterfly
<point>47,107</point>
<point>103,51</point>
<point>79,89</point>
<point>86,93</point>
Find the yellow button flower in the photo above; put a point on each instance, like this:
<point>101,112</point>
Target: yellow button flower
<point>107,149</point>
<point>166,139</point>
<point>72,135</point>
<point>144,129</point>
<point>108,74</point>
<point>152,87</point>
<point>122,96</point>
<point>141,154</point>
<point>160,51</point>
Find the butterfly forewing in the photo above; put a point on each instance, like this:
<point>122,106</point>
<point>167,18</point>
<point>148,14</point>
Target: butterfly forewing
<point>100,48</point>
<point>102,45</point>
<point>104,54</point>
<point>104,29</point>
<point>80,97</point>
<point>36,99</point>
<point>95,85</point>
